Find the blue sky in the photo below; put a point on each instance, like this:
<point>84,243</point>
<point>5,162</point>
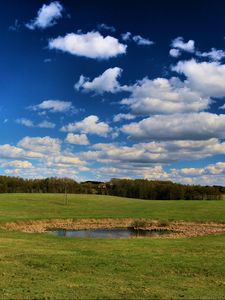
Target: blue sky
<point>127,89</point>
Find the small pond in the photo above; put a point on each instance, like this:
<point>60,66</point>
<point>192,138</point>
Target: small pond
<point>108,233</point>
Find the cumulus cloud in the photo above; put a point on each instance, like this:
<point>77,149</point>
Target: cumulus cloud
<point>139,40</point>
<point>106,82</point>
<point>120,117</point>
<point>62,160</point>
<point>174,52</point>
<point>89,125</point>
<point>46,124</point>
<point>215,169</point>
<point>77,139</point>
<point>92,45</point>
<point>53,106</point>
<point>8,151</point>
<point>163,96</point>
<point>25,122</point>
<point>180,44</point>
<point>19,164</point>
<point>188,171</point>
<point>206,77</point>
<point>136,161</point>
<point>46,16</point>
<point>47,158</point>
<point>143,154</point>
<point>29,123</point>
<point>104,26</point>
<point>39,172</point>
<point>40,144</point>
<point>43,171</point>
<point>212,174</point>
<point>192,126</point>
<point>214,54</point>
<point>126,36</point>
<point>150,173</point>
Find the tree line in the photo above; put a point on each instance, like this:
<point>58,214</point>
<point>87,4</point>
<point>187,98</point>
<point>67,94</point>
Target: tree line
<point>136,188</point>
<point>163,190</point>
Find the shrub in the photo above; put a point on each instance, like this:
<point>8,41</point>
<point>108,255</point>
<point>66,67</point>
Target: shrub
<point>139,224</point>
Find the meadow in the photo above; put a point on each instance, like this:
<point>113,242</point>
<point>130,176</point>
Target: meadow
<point>41,266</point>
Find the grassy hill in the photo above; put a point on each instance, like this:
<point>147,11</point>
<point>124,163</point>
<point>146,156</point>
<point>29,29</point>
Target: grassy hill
<point>51,206</point>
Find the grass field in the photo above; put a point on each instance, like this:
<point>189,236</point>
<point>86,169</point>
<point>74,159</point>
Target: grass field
<point>50,206</point>
<point>42,266</point>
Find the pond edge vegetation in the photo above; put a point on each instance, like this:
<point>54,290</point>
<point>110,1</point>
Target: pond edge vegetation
<point>176,229</point>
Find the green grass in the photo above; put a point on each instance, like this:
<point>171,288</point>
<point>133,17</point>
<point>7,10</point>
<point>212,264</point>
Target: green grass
<point>50,206</point>
<point>41,266</point>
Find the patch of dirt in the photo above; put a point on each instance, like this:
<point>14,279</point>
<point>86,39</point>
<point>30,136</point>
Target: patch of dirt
<point>176,228</point>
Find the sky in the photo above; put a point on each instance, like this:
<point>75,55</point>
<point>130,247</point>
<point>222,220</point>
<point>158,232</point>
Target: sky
<point>94,90</point>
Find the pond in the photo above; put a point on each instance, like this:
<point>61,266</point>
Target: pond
<point>108,233</point>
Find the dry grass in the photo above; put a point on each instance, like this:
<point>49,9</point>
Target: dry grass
<point>177,228</point>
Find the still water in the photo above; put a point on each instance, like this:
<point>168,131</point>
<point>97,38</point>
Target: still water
<point>108,233</point>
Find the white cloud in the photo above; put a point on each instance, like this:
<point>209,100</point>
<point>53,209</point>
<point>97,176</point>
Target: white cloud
<point>29,123</point>
<point>180,44</point>
<point>174,52</point>
<point>46,124</point>
<point>192,126</point>
<point>151,173</point>
<point>135,158</point>
<point>19,164</point>
<point>205,77</point>
<point>106,82</point>
<point>46,155</point>
<point>89,125</point>
<point>142,41</point>
<point>43,171</point>
<point>9,151</point>
<point>146,159</point>
<point>120,117</point>
<point>215,169</point>
<point>46,16</point>
<point>141,160</point>
<point>91,45</point>
<point>162,152</point>
<point>212,174</point>
<point>53,106</point>
<point>163,96</point>
<point>44,145</point>
<point>139,40</point>
<point>214,54</point>
<point>126,36</point>
<point>77,139</point>
<point>25,122</point>
<point>188,171</point>
<point>62,160</point>
<point>104,26</point>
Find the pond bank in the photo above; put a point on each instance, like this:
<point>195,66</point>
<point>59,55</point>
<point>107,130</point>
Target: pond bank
<point>177,228</point>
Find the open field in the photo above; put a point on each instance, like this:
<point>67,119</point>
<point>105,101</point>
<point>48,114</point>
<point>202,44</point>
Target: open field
<point>49,267</point>
<point>51,206</point>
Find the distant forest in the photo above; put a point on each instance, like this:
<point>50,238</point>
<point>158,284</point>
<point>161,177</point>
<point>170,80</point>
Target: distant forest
<point>137,188</point>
